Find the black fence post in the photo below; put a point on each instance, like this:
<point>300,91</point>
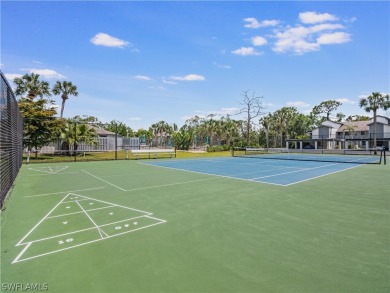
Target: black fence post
<point>75,141</point>
<point>116,141</point>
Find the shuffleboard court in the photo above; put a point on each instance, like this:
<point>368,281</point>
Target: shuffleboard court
<point>266,171</point>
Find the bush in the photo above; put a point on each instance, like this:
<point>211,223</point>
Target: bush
<point>218,148</point>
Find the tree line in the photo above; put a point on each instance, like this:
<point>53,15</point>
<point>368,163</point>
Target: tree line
<point>250,126</point>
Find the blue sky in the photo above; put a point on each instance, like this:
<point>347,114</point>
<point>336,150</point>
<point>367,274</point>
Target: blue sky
<point>142,62</point>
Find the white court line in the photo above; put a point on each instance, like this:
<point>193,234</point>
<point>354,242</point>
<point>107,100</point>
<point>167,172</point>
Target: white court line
<point>86,229</point>
<point>228,160</point>
<point>81,244</point>
<point>59,235</point>
<point>113,204</point>
<point>322,175</point>
<point>308,169</point>
<point>63,215</point>
<point>49,174</point>
<point>22,252</point>
<point>210,174</point>
<point>104,180</point>
<point>156,219</point>
<point>101,232</point>
<point>73,200</point>
<point>44,194</point>
<point>93,222</point>
<point>169,184</point>
<point>29,232</point>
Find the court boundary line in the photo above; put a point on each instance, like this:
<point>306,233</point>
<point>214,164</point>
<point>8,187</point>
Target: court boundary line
<point>44,194</point>
<point>296,171</point>
<point>352,167</point>
<point>215,175</point>
<point>103,180</point>
<point>51,172</point>
<point>148,187</point>
<point>301,169</point>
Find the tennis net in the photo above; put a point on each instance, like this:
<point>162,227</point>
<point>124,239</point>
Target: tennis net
<point>353,156</point>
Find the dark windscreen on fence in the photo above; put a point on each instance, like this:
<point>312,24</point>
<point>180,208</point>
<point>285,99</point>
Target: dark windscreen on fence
<point>11,138</point>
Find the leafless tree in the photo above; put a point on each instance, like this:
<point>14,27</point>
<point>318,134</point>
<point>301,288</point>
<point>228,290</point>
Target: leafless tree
<point>251,107</point>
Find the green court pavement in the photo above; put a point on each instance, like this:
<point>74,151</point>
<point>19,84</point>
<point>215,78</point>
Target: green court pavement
<point>123,226</point>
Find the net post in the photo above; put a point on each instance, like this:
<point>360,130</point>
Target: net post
<point>384,155</point>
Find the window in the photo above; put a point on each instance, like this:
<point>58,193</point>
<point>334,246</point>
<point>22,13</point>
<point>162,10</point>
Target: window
<point>346,133</point>
<point>362,133</point>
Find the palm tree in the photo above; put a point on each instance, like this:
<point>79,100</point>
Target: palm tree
<point>30,84</point>
<point>266,123</point>
<point>75,133</point>
<point>374,102</point>
<point>64,89</point>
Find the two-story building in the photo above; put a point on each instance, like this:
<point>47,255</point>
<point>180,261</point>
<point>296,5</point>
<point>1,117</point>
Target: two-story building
<point>346,135</point>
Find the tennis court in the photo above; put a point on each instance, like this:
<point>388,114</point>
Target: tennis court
<point>272,171</point>
<point>222,224</point>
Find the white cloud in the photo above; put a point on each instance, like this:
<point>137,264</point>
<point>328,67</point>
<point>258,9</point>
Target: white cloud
<point>350,20</point>
<point>102,39</point>
<point>46,73</point>
<point>334,38</point>
<point>301,39</point>
<point>229,111</point>
<point>246,51</point>
<point>294,39</point>
<point>142,77</point>
<point>253,23</point>
<point>189,77</point>
<point>11,77</point>
<point>311,17</point>
<point>325,27</point>
<point>345,101</point>
<point>168,81</point>
<point>272,22</point>
<point>298,104</point>
<point>259,41</point>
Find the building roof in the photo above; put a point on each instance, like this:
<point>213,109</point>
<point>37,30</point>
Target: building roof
<point>101,131</point>
<point>358,126</point>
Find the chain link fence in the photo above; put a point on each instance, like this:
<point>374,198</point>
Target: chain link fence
<point>11,138</point>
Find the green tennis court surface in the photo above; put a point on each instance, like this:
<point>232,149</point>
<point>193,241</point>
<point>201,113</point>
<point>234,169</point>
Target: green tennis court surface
<point>127,226</point>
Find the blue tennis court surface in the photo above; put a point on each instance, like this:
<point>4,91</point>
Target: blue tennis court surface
<point>279,172</point>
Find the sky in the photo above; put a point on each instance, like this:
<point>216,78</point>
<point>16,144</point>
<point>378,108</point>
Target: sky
<point>142,62</point>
